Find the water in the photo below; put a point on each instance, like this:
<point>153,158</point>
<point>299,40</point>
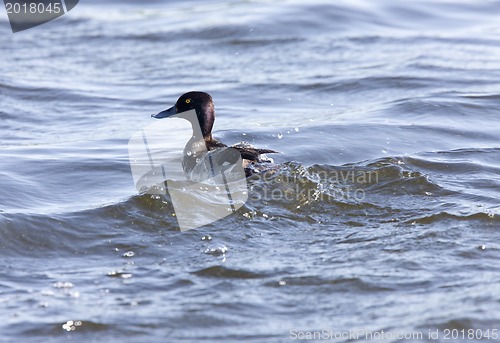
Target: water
<point>407,93</point>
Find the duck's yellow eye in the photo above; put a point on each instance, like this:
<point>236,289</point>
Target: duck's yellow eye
<point>188,101</point>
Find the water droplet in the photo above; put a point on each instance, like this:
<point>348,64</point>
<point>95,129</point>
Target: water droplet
<point>280,135</point>
<point>129,254</point>
<point>282,283</point>
<point>71,325</point>
<point>296,129</point>
<point>62,285</point>
<point>189,153</point>
<point>216,251</point>
<point>122,275</point>
<point>68,325</point>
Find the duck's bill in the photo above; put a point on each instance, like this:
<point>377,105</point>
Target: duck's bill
<point>165,114</point>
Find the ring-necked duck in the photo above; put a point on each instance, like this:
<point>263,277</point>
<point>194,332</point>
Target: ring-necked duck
<point>202,140</point>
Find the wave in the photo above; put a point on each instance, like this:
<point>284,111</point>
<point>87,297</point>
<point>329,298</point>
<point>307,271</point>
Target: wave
<point>398,190</point>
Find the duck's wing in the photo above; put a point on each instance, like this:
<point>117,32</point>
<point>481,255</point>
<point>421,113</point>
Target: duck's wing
<point>213,144</point>
<point>246,150</point>
<point>253,154</point>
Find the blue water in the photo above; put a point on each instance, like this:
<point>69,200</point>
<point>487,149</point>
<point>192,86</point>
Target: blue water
<point>408,92</point>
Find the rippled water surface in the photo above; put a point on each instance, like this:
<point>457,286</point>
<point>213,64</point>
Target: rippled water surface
<point>382,213</point>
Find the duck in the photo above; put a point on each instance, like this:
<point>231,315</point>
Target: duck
<point>198,108</point>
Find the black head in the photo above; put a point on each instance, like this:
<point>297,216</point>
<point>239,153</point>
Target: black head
<point>199,101</point>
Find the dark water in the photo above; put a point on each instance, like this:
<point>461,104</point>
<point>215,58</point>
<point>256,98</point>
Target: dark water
<point>384,214</point>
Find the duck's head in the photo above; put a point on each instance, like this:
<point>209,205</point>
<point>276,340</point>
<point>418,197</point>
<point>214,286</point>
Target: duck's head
<point>201,102</point>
